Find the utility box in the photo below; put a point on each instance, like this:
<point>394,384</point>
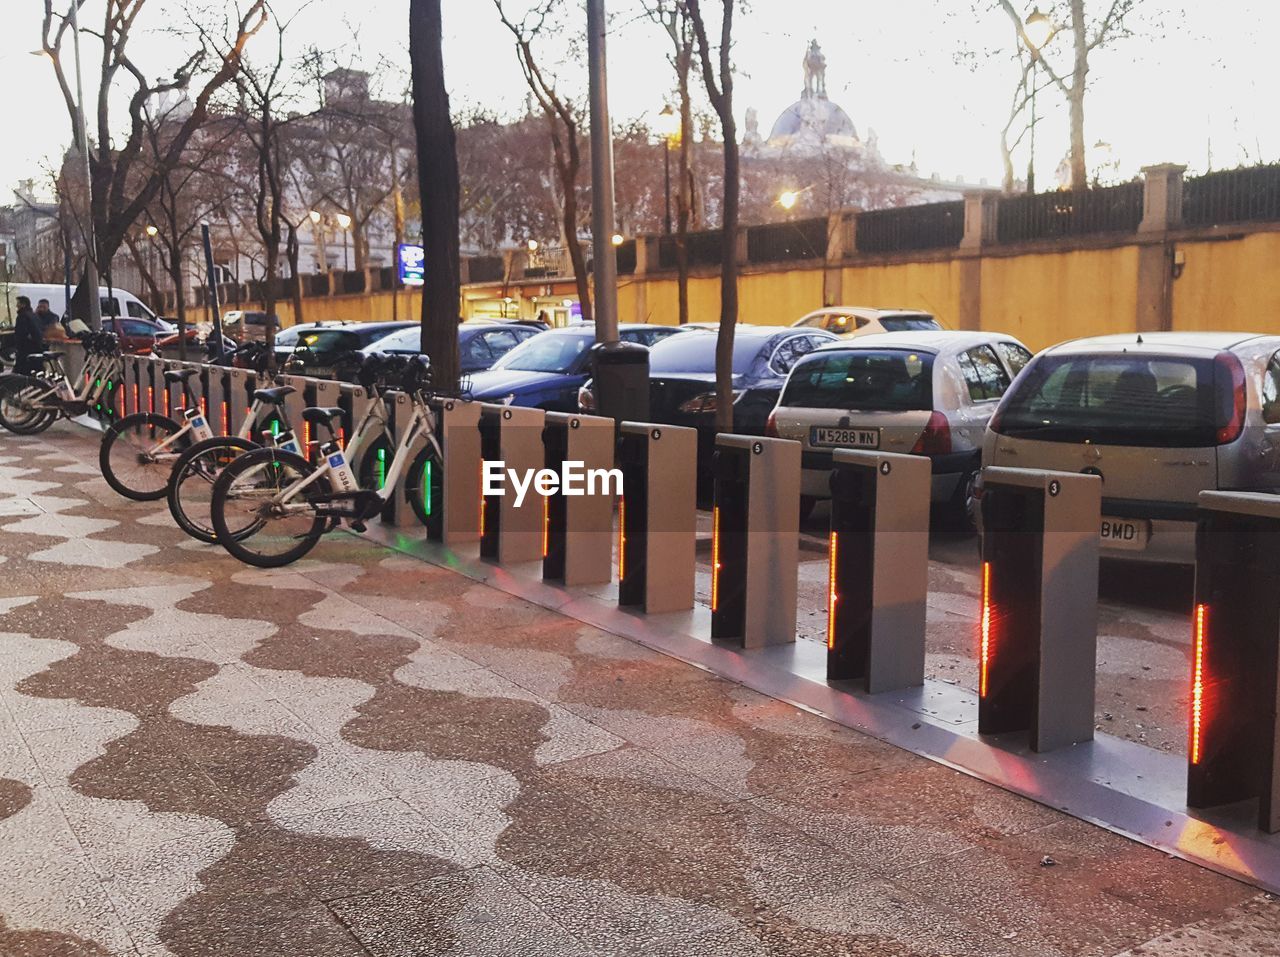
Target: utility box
<point>577,533</point>
<point>1038,630</point>
<point>620,377</point>
<point>453,490</point>
<point>755,540</point>
<point>1235,669</point>
<point>878,576</point>
<point>657,516</point>
<point>511,437</point>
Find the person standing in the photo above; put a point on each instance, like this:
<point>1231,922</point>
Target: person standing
<point>28,341</point>
<point>47,318</point>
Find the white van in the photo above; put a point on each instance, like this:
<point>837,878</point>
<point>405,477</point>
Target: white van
<point>125,304</point>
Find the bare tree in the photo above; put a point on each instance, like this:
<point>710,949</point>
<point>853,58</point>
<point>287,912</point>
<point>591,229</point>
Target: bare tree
<point>117,195</point>
<point>1087,33</point>
<point>563,122</point>
<point>438,187</point>
<point>673,17</point>
<point>717,76</point>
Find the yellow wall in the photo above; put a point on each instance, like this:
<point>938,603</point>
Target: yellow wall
<point>931,286</point>
<point>374,307</point>
<point>1048,297</point>
<point>1230,285</point>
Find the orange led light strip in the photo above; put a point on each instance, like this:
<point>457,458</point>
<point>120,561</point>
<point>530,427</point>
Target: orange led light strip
<point>715,558</point>
<point>622,538</point>
<point>482,499</point>
<point>1201,630</point>
<point>831,594</point>
<point>151,399</point>
<point>546,525</point>
<point>984,661</point>
<point>226,419</point>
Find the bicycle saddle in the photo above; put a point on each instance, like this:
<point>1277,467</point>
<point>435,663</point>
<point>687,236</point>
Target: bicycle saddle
<point>52,355</point>
<point>321,415</point>
<point>179,375</point>
<point>274,396</point>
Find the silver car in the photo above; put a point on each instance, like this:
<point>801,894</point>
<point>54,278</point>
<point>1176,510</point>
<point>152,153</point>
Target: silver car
<point>1160,416</point>
<point>924,393</point>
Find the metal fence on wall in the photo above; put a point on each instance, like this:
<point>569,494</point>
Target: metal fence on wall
<point>703,248</point>
<point>1232,196</point>
<point>1111,209</point>
<point>780,242</point>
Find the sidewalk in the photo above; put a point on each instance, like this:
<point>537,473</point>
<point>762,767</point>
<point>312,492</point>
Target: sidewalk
<point>365,754</point>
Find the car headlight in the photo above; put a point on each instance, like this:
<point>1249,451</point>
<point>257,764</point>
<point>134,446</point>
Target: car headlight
<point>705,402</point>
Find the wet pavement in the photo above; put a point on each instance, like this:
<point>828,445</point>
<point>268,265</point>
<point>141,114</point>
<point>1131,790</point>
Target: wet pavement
<point>365,754</point>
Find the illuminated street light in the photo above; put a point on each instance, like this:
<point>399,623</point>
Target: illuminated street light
<point>533,245</point>
<point>314,216</point>
<point>788,198</point>
<point>343,220</point>
<point>667,125</point>
<point>1038,29</point>
<point>616,239</point>
<point>151,230</point>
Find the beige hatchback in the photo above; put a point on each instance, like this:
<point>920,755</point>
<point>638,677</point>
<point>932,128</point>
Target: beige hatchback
<point>1160,416</point>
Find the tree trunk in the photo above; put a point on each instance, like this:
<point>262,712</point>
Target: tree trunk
<point>269,301</point>
<point>1079,75</point>
<point>571,241</point>
<point>438,186</point>
<point>291,253</point>
<point>728,272</point>
<point>683,197</point>
<point>179,299</point>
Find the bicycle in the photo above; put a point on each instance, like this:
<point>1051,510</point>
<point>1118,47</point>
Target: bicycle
<point>270,507</point>
<point>140,452</point>
<point>30,404</point>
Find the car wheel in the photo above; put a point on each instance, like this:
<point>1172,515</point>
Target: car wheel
<point>964,505</point>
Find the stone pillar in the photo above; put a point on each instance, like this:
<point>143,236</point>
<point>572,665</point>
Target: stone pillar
<point>979,219</point>
<point>642,253</point>
<point>740,246</point>
<point>838,226</point>
<point>1161,198</point>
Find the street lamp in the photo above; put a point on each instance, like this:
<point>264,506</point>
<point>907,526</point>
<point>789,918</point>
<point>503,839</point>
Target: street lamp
<point>1036,32</point>
<point>344,223</point>
<point>667,125</point>
<point>787,198</point>
<point>616,239</point>
<point>532,245</point>
<point>151,230</point>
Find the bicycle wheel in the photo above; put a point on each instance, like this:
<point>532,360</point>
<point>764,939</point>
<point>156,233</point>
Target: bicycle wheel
<point>422,486</point>
<point>190,491</point>
<point>130,460</point>
<point>21,398</point>
<point>248,519</point>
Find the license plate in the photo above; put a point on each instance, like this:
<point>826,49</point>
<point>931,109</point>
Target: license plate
<point>1125,533</point>
<point>844,438</point>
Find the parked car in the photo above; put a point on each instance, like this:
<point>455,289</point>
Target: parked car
<point>287,338</point>
<point>1160,416</point>
<point>547,370</point>
<point>197,345</point>
<point>246,325</point>
<point>480,344</point>
<point>317,350</point>
<point>865,321</point>
<point>922,393</point>
<point>537,324</point>
<point>137,336</point>
<point>682,380</point>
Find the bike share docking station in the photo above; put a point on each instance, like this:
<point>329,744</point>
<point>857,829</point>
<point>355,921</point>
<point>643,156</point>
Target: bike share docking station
<point>1039,614</point>
<point>657,516</point>
<point>511,435</point>
<point>453,495</point>
<point>1233,751</point>
<point>878,572</point>
<point>577,530</point>
<point>755,540</point>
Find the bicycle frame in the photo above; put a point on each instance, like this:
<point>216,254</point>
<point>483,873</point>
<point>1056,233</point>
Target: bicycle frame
<point>65,397</point>
<point>337,465</point>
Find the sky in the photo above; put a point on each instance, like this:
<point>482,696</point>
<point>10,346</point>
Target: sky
<point>1197,83</point>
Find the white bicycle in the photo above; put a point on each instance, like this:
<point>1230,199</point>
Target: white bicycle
<point>29,404</point>
<point>270,507</point>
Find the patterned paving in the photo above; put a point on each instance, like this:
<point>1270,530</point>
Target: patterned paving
<point>363,754</point>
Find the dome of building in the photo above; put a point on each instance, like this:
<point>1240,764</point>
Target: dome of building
<point>813,116</point>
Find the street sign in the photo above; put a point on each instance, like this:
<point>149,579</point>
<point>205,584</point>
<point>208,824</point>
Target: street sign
<point>409,260</point>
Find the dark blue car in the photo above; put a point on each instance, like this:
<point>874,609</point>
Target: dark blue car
<point>546,371</point>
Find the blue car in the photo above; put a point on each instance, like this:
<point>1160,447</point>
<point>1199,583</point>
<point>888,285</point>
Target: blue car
<point>546,371</point>
<point>479,344</point>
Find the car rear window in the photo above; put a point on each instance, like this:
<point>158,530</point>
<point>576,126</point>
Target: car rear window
<point>696,352</point>
<point>879,380</point>
<point>549,352</point>
<point>329,340</point>
<point>1140,400</point>
<point>909,324</point>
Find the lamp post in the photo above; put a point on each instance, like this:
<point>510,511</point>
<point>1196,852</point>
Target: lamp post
<point>667,126</point>
<point>344,223</point>
<point>1037,30</point>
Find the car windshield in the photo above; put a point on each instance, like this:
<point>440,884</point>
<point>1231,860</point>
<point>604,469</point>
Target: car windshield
<point>879,380</point>
<point>1141,400</point>
<point>287,337</point>
<point>696,352</point>
<point>329,340</point>
<point>402,340</point>
<point>909,323</point>
<point>549,352</point>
